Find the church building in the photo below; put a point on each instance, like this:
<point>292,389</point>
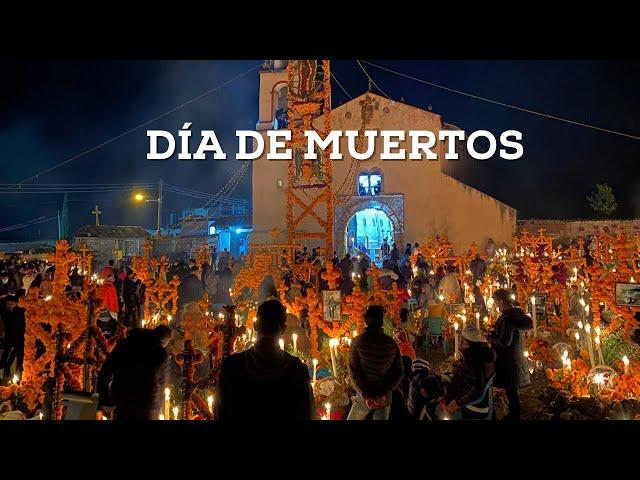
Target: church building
<point>402,201</point>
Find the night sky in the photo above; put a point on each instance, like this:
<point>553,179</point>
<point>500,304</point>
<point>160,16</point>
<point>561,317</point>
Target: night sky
<point>53,110</point>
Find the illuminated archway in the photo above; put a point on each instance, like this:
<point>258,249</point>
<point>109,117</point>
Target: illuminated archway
<point>366,231</point>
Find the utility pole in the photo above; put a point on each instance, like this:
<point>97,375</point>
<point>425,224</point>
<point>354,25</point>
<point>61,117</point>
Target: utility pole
<point>159,207</point>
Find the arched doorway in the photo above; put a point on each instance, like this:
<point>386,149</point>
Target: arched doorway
<point>366,230</point>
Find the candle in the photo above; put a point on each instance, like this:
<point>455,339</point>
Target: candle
<point>210,403</point>
<point>599,349</point>
<point>456,350</point>
<point>281,343</point>
<point>294,337</point>
<point>327,408</point>
<point>577,335</point>
<point>625,360</point>
<point>167,403</point>
<point>176,410</point>
<point>315,369</point>
<point>566,363</point>
<point>161,417</point>
<point>333,343</point>
<point>587,329</point>
<point>534,316</point>
<point>478,320</point>
<point>354,334</point>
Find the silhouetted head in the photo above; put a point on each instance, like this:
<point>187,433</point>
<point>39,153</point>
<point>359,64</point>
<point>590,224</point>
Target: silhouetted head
<point>374,316</point>
<point>504,299</point>
<point>272,319</point>
<point>164,334</point>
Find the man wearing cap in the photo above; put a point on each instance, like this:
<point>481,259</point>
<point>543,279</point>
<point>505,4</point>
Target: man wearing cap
<point>375,365</point>
<point>471,372</point>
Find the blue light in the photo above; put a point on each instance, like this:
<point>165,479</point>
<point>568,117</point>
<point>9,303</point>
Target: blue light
<point>238,230</point>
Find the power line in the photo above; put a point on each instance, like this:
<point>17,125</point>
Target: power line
<point>29,223</point>
<point>372,81</point>
<point>340,85</point>
<point>202,95</point>
<point>496,102</point>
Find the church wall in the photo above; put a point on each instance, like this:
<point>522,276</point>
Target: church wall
<point>434,203</point>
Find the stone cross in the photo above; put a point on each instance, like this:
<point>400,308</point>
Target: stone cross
<point>97,214</point>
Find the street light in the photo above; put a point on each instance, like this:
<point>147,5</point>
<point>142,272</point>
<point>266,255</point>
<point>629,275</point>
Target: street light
<point>141,197</point>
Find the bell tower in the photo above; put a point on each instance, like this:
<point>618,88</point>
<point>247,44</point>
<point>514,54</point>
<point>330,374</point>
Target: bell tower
<point>273,94</point>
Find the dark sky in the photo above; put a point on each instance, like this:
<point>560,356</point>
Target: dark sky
<point>52,110</point>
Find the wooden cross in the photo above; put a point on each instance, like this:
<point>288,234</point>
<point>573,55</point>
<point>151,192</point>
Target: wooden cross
<point>97,213</point>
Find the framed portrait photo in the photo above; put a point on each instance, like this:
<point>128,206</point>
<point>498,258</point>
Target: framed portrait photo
<point>331,302</point>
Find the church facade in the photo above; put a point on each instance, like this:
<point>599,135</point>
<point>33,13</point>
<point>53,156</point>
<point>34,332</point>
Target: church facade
<point>402,201</point>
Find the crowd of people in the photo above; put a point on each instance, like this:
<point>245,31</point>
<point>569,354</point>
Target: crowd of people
<point>388,377</point>
<point>17,277</point>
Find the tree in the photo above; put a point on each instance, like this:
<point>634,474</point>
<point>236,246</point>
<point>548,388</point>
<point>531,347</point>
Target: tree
<point>602,200</point>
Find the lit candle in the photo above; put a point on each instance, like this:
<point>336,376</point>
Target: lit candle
<point>599,349</point>
<point>327,408</point>
<point>40,415</point>
<point>456,350</point>
<point>333,343</point>
<point>587,329</point>
<point>354,334</point>
<point>176,410</point>
<point>478,320</point>
<point>161,417</point>
<point>167,403</point>
<point>315,369</point>
<point>16,379</point>
<point>577,335</point>
<point>534,316</point>
<point>294,337</point>
<point>281,343</point>
<point>625,360</point>
<point>210,403</point>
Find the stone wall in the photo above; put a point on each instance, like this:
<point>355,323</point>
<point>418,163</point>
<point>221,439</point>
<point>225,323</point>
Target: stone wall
<point>565,231</point>
<point>176,248</point>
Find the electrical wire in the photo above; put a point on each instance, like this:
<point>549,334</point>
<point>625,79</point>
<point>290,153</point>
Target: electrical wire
<point>137,127</point>
<point>341,87</point>
<point>503,104</point>
<point>373,81</point>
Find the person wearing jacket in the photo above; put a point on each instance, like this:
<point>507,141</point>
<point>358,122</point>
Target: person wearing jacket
<point>265,382</point>
<point>134,374</point>
<point>471,372</point>
<point>375,365</point>
<point>512,370</point>
<point>14,330</point>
